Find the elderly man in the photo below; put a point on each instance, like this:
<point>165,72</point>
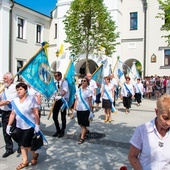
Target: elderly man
<point>6,96</point>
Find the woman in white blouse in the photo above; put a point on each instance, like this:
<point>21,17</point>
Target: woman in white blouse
<point>107,94</point>
<point>150,143</point>
<point>127,92</point>
<point>83,106</point>
<point>27,106</point>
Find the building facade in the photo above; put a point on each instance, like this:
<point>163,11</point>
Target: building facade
<point>22,30</point>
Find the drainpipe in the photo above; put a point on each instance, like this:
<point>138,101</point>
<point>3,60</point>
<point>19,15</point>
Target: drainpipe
<point>144,40</point>
<point>10,37</point>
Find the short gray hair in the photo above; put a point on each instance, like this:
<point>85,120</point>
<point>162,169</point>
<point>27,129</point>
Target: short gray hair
<point>10,75</point>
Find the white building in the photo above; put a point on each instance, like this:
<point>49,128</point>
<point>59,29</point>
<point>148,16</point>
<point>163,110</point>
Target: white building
<point>22,30</point>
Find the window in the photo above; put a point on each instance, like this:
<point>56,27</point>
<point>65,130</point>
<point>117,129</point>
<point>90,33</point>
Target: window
<point>20,64</point>
<point>20,28</point>
<point>55,31</point>
<point>167,57</point>
<point>133,21</point>
<point>38,33</point>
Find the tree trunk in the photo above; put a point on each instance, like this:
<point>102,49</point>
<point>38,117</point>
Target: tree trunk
<point>87,63</point>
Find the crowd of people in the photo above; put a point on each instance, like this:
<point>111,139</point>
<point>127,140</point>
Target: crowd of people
<point>89,94</point>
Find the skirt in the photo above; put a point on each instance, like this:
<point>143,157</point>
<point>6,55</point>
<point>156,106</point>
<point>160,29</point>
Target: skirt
<point>83,118</point>
<point>106,104</point>
<point>98,98</point>
<point>25,136</point>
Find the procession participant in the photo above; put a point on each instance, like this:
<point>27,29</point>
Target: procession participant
<point>98,95</point>
<point>7,95</point>
<point>150,142</point>
<point>107,94</point>
<point>92,86</point>
<point>83,106</point>
<point>139,89</point>
<point>37,96</point>
<point>28,106</point>
<point>61,97</point>
<point>127,92</point>
<point>114,81</point>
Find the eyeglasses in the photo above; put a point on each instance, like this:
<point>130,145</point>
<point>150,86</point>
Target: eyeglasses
<point>83,81</point>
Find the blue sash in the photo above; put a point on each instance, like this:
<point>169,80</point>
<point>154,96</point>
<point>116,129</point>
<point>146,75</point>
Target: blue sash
<point>5,98</point>
<point>26,119</point>
<point>86,105</point>
<point>127,89</point>
<point>113,108</point>
<point>64,105</point>
<point>139,89</point>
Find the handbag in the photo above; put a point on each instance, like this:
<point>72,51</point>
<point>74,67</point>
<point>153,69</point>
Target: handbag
<point>36,142</point>
<point>13,133</point>
<point>129,94</point>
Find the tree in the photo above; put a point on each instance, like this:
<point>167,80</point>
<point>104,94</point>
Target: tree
<point>89,26</point>
<point>165,15</point>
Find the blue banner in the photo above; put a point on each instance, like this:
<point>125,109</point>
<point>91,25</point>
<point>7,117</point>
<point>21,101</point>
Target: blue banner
<point>70,78</point>
<point>38,75</point>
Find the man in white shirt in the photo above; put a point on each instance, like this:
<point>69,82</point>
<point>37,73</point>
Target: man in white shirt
<point>7,95</point>
<point>62,93</point>
<point>92,86</point>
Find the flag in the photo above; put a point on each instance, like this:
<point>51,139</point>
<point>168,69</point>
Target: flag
<point>38,75</point>
<point>133,73</point>
<point>61,49</point>
<point>70,78</point>
<point>98,77</point>
<point>118,73</point>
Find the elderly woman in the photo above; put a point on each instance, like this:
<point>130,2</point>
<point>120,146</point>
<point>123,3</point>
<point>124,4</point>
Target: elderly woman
<point>83,106</point>
<point>26,105</point>
<point>150,142</point>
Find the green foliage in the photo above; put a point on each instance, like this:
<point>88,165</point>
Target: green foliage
<point>89,26</point>
<point>165,15</point>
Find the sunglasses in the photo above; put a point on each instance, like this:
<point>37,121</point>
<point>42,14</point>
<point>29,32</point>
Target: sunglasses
<point>83,81</point>
<point>56,76</point>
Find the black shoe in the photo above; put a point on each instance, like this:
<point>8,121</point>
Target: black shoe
<point>56,134</point>
<point>19,150</point>
<point>61,135</point>
<point>7,153</point>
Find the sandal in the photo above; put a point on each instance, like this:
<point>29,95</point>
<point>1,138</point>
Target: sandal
<point>22,165</point>
<point>34,159</point>
<point>110,119</point>
<point>81,141</point>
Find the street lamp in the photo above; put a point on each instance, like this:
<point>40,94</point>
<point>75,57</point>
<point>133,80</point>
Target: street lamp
<point>145,32</point>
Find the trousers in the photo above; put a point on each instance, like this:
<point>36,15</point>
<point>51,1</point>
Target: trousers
<point>56,110</point>
<point>7,138</point>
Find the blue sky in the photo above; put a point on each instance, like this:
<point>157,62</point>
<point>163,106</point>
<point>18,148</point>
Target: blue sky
<point>42,6</point>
